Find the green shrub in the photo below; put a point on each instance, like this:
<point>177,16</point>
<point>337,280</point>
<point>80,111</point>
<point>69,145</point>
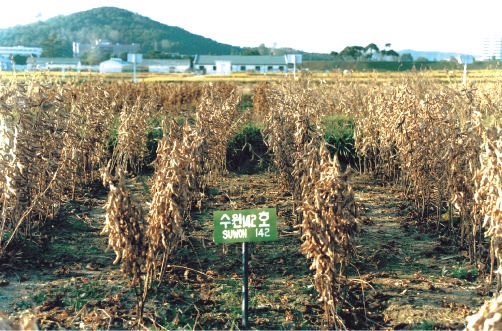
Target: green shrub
<point>113,137</point>
<point>246,102</point>
<point>153,137</point>
<point>339,135</point>
<point>425,325</point>
<point>467,274</point>
<point>247,152</point>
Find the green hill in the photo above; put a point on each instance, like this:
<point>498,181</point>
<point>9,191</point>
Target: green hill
<point>116,26</point>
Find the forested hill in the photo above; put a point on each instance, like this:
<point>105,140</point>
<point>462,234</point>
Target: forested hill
<point>114,25</point>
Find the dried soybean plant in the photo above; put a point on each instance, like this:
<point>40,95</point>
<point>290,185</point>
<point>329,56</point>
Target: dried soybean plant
<point>176,98</point>
<point>172,192</point>
<point>260,102</point>
<point>292,121</point>
<point>328,228</point>
<point>423,137</point>
<point>137,109</point>
<point>216,122</point>
<point>185,155</point>
<point>124,227</point>
<point>130,152</point>
<point>488,196</point>
<point>279,134</point>
<point>85,141</point>
<point>320,190</point>
<point>462,157</point>
<point>184,158</point>
<point>32,123</point>
<point>488,317</point>
<point>488,199</point>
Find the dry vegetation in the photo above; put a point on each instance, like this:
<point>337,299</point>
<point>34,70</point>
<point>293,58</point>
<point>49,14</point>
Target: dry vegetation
<point>438,143</point>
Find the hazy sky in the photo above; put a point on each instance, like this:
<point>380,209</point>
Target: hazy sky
<point>311,26</point>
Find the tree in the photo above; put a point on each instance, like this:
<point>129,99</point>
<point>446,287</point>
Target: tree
<point>406,57</point>
<point>250,51</point>
<point>93,58</point>
<point>390,53</point>
<point>53,46</point>
<point>263,50</point>
<point>352,52</point>
<point>370,50</point>
<point>19,59</point>
<point>422,59</point>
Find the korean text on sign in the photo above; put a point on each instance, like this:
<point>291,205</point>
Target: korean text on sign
<point>245,225</point>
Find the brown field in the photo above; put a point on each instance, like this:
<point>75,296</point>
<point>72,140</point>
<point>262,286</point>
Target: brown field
<point>108,190</point>
<point>444,76</point>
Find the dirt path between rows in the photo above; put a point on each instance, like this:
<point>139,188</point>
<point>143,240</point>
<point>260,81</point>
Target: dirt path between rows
<point>400,278</point>
<point>416,280</point>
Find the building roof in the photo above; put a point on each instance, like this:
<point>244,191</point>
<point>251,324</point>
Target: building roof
<point>20,50</point>
<point>166,62</point>
<point>115,60</point>
<point>58,60</point>
<point>241,59</point>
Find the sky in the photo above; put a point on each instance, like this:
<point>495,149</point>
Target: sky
<point>319,26</point>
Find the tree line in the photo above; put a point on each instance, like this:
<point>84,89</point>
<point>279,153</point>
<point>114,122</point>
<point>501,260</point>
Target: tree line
<point>370,52</point>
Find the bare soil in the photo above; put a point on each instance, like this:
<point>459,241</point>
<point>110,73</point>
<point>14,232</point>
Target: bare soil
<point>403,276</point>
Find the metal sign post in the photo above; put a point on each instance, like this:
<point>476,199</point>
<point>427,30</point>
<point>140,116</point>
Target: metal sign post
<point>245,293</point>
<point>248,225</point>
<point>465,60</point>
<point>134,58</point>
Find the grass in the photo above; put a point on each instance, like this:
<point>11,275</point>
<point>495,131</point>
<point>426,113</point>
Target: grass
<point>76,295</point>
<point>425,325</point>
<point>339,134</point>
<point>247,152</point>
<point>478,75</point>
<point>39,298</point>
<point>465,274</point>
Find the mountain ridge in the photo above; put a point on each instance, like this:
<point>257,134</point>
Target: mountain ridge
<point>116,25</point>
<point>433,55</point>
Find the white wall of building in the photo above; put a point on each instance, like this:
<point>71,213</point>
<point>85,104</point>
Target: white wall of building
<point>112,65</point>
<point>168,69</point>
<point>492,47</point>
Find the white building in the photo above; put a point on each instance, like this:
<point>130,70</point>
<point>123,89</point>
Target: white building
<point>56,64</point>
<point>112,65</point>
<point>167,65</point>
<point>492,48</point>
<point>5,64</point>
<point>226,64</point>
<point>20,50</point>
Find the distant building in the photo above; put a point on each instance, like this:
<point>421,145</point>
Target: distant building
<point>226,64</point>
<point>112,65</point>
<point>150,65</point>
<point>58,64</point>
<point>7,52</point>
<point>104,47</point>
<point>5,64</point>
<point>492,48</point>
<point>167,65</point>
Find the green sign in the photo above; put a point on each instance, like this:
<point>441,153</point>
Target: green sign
<point>247,225</point>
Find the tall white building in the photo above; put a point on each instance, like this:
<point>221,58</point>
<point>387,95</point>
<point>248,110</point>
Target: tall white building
<point>492,47</point>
